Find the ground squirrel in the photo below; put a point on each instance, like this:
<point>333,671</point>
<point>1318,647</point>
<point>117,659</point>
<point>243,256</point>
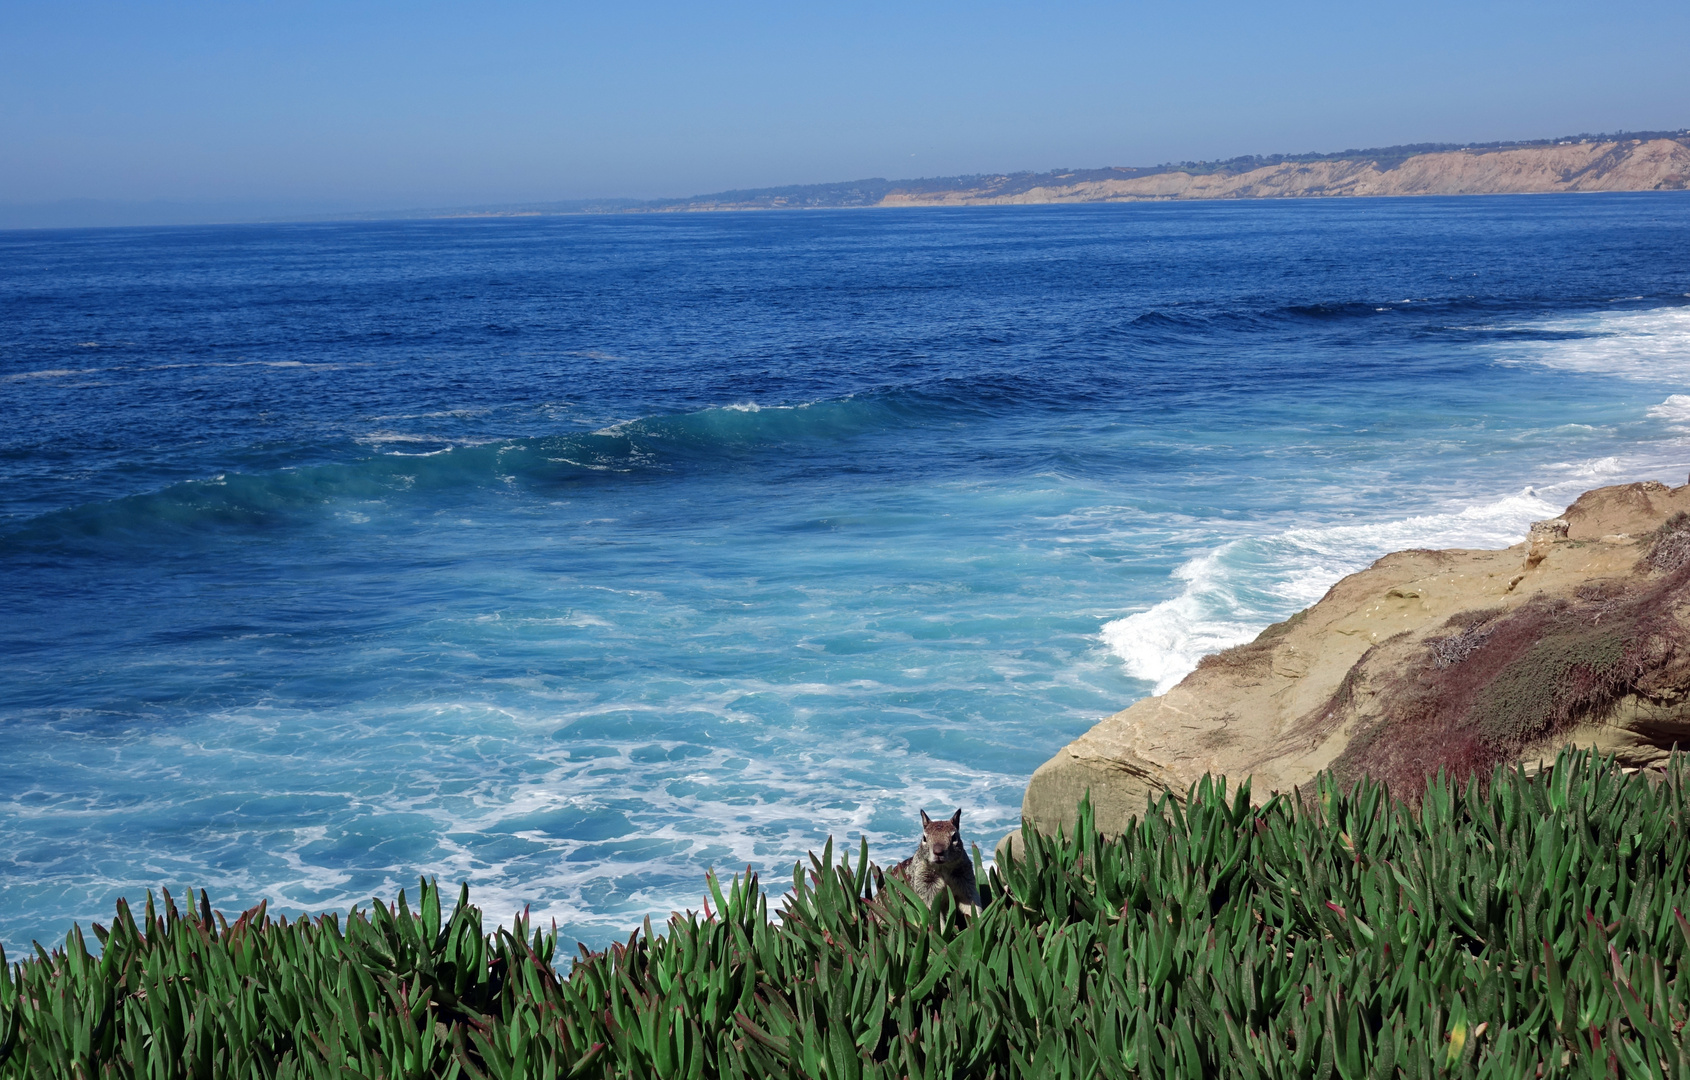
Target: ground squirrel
<point>940,862</point>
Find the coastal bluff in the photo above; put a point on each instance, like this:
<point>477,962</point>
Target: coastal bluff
<point>1578,636</point>
<point>1660,164</point>
<point>1641,161</point>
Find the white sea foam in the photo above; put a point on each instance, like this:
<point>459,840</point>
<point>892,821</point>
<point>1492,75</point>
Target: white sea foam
<point>1163,644</point>
<point>1231,593</point>
<point>51,373</point>
<point>436,415</point>
<point>376,438</point>
<point>1646,345</point>
<point>1674,410</point>
<point>752,406</point>
<point>621,427</point>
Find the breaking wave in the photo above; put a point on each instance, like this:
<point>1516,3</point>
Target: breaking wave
<point>1648,346</point>
<point>1232,593</point>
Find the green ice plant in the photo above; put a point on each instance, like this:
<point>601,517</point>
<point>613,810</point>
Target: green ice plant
<point>1532,925</point>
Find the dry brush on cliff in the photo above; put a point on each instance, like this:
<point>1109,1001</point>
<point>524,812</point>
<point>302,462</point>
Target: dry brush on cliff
<point>1499,682</point>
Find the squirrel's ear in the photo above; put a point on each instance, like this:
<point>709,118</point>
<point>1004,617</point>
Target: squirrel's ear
<point>956,819</point>
<point>925,820</point>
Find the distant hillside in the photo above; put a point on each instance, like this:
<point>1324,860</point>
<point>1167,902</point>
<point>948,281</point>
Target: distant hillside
<point>1628,161</point>
<point>1624,161</point>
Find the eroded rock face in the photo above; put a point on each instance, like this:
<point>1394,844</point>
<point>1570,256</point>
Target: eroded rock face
<point>1458,659</point>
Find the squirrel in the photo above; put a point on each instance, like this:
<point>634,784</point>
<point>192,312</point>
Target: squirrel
<point>940,862</point>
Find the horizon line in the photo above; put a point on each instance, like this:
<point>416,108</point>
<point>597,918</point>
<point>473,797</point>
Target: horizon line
<point>628,204</point>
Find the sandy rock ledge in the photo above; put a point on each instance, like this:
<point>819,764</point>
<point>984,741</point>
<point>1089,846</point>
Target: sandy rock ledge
<point>1580,636</point>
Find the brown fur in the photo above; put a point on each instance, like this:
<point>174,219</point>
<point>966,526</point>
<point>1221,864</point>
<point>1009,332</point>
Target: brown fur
<point>940,862</point>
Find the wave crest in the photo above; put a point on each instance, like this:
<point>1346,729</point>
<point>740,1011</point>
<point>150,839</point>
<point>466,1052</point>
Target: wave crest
<point>392,464</point>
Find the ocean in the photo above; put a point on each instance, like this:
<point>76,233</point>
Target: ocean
<point>572,557</point>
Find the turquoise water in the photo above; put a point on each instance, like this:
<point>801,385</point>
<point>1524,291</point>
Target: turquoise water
<point>571,557</point>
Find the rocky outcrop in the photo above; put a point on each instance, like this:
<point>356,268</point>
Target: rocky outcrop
<point>1579,635</point>
<point>1622,165</point>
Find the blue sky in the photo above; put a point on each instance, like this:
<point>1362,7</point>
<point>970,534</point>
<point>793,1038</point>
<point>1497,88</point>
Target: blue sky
<point>355,105</point>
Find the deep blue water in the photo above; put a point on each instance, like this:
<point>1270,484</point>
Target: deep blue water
<point>573,556</point>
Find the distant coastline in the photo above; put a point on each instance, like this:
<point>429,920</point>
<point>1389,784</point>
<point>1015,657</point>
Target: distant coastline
<point>1620,161</point>
<point>1625,161</point>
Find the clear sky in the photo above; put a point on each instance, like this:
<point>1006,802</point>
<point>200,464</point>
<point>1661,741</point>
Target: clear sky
<point>216,107</point>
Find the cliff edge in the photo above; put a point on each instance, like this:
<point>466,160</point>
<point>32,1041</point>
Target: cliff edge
<point>1455,659</point>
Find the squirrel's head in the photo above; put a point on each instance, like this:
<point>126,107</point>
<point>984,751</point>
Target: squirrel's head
<point>942,840</point>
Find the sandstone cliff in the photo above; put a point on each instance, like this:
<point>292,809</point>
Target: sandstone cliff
<point>1642,161</point>
<point>1627,165</point>
<point>1457,659</point>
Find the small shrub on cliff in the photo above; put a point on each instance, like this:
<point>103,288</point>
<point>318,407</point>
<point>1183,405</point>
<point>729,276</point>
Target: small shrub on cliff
<point>1670,547</point>
<point>1475,630</point>
<point>1530,927</point>
<point>1252,657</point>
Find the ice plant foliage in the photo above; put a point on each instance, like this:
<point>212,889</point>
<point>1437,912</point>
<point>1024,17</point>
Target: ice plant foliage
<point>1530,926</point>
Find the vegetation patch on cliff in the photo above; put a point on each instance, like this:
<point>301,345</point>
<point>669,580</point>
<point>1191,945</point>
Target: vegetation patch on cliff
<point>1497,683</point>
<point>1669,549</point>
<point>1531,926</point>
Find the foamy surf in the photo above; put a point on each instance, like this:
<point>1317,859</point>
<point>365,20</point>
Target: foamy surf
<point>1648,346</point>
<point>1233,592</point>
<point>1675,410</point>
